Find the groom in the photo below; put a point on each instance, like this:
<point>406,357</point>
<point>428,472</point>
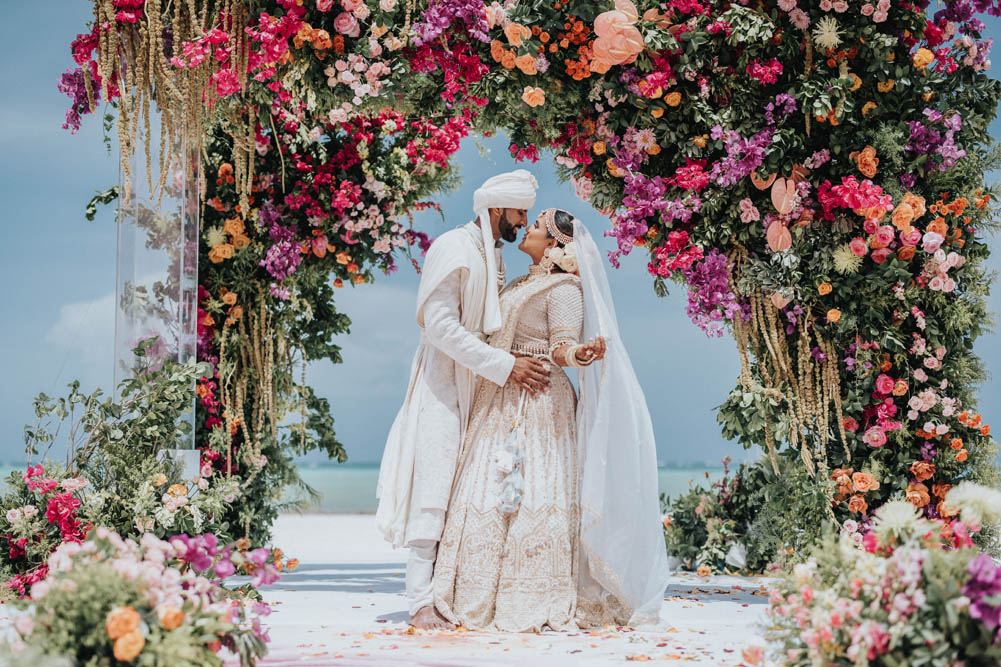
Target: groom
<point>457,307</point>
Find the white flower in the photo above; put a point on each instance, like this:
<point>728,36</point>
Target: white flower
<point>13,515</point>
<point>897,517</point>
<point>826,34</point>
<point>24,623</point>
<point>977,504</point>
<point>214,236</point>
<point>845,261</point>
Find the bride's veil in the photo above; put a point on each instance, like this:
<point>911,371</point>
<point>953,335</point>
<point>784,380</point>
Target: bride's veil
<point>621,540</point>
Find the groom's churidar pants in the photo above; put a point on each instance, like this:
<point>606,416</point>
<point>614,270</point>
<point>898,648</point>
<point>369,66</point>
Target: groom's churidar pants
<point>420,564</point>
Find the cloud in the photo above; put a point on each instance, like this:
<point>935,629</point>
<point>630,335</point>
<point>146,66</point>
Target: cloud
<point>86,328</point>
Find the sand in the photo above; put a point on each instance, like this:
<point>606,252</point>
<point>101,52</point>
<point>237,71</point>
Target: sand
<point>345,605</point>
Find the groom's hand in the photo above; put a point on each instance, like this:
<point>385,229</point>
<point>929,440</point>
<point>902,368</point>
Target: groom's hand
<point>530,374</point>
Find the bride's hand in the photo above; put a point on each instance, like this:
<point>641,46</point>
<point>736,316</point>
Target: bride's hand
<point>593,350</point>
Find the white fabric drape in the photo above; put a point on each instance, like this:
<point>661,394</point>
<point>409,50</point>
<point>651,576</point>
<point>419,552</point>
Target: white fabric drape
<point>622,541</point>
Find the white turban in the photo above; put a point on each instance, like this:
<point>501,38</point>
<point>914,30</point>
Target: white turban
<point>515,189</point>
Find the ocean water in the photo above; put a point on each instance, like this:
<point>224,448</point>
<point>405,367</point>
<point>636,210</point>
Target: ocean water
<point>350,488</point>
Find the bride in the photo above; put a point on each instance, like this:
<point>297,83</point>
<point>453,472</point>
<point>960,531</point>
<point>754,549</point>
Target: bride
<point>553,521</point>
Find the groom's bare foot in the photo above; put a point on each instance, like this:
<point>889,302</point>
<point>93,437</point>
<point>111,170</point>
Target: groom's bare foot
<point>428,618</point>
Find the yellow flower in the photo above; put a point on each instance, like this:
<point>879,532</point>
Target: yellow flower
<point>923,57</point>
<point>673,99</point>
<point>598,147</point>
<point>177,490</point>
<point>159,479</point>
<point>867,107</point>
<point>885,86</point>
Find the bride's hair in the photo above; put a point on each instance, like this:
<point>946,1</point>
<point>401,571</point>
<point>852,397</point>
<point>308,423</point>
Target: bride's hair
<point>564,223</point>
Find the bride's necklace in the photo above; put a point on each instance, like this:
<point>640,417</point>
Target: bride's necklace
<point>535,270</point>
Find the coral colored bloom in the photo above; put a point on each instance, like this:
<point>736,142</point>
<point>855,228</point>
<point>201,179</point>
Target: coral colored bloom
<point>533,96</point>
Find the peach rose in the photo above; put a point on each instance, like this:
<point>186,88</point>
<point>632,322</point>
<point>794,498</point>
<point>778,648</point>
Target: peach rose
<point>863,481</point>
<point>858,504</point>
<point>170,617</point>
<point>902,216</point>
<point>833,315</point>
<point>673,98</point>
<point>917,494</point>
<point>962,455</point>
<point>240,242</point>
<point>533,96</point>
<point>129,646</point>
<point>526,63</point>
<point>703,571</point>
<point>900,388</point>
<point>866,160</point>
<point>916,202</point>
<point>905,253</point>
<point>229,298</point>
<point>946,510</point>
<point>508,60</point>
<point>120,621</point>
<point>824,288</point>
<point>233,227</point>
<point>221,252</point>
<point>515,33</point>
<point>922,470</point>
<point>939,227</point>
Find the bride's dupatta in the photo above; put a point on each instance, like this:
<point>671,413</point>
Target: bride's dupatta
<point>503,339</point>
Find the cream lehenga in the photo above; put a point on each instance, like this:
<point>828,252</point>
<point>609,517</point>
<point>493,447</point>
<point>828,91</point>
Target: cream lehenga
<point>533,554</point>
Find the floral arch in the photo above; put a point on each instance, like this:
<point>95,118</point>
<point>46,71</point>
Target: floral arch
<point>811,171</point>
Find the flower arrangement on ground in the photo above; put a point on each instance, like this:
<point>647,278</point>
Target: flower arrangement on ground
<point>151,602</point>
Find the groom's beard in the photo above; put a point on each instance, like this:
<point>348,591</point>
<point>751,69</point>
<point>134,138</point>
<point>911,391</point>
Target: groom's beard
<point>507,231</point>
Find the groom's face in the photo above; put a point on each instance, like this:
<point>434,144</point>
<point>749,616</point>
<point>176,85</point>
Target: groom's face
<point>511,220</point>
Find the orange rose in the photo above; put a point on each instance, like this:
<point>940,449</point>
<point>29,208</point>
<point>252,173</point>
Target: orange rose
<point>923,57</point>
<point>526,63</point>
<point>703,571</point>
<point>653,150</point>
<point>241,242</point>
<point>922,470</point>
<point>291,564</point>
<point>985,429</point>
<point>358,279</point>
<point>121,621</point>
<point>657,112</point>
<point>515,33</point>
<point>866,161</point>
<point>497,50</point>
<point>961,455</point>
<point>917,494</point>
<point>507,60</point>
<point>234,227</point>
<point>833,315</point>
<point>824,288</point>
<point>229,298</point>
<point>352,268</point>
<point>856,82</point>
<point>975,420</point>
<point>863,481</point>
<point>885,86</point>
<point>235,313</point>
<point>867,108</point>
<point>957,443</point>
<point>598,147</point>
<point>700,140</point>
<point>939,227</point>
<point>939,490</point>
<point>170,617</point>
<point>905,253</point>
<point>533,96</point>
<point>858,504</point>
<point>900,388</point>
<point>946,510</point>
<point>178,490</point>
<point>673,99</point>
<point>129,646</point>
<point>916,202</point>
<point>220,252</point>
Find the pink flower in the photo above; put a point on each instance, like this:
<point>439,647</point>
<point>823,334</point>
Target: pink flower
<point>799,18</point>
<point>937,284</point>
<point>858,246</point>
<point>912,237</point>
<point>885,234</point>
<point>840,6</point>
<point>850,424</point>
<point>874,437</point>
<point>884,383</point>
<point>920,375</point>
<point>931,242</point>
<point>867,10</point>
<point>870,226</point>
<point>324,5</point>
<point>880,255</point>
<point>351,5</point>
<point>226,82</point>
<point>748,212</point>
<point>347,24</point>
<point>826,5</point>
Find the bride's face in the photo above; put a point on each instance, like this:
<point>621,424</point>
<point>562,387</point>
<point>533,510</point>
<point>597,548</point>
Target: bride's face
<point>535,241</point>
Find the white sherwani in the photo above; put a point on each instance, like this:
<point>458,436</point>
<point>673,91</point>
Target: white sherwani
<point>418,464</point>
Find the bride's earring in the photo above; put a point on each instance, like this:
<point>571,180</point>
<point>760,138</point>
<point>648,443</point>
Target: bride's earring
<point>547,263</point>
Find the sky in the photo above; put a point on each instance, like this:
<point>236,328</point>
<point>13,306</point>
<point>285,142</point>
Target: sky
<point>58,277</point>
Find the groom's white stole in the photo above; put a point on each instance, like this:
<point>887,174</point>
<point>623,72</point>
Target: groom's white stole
<point>419,461</point>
